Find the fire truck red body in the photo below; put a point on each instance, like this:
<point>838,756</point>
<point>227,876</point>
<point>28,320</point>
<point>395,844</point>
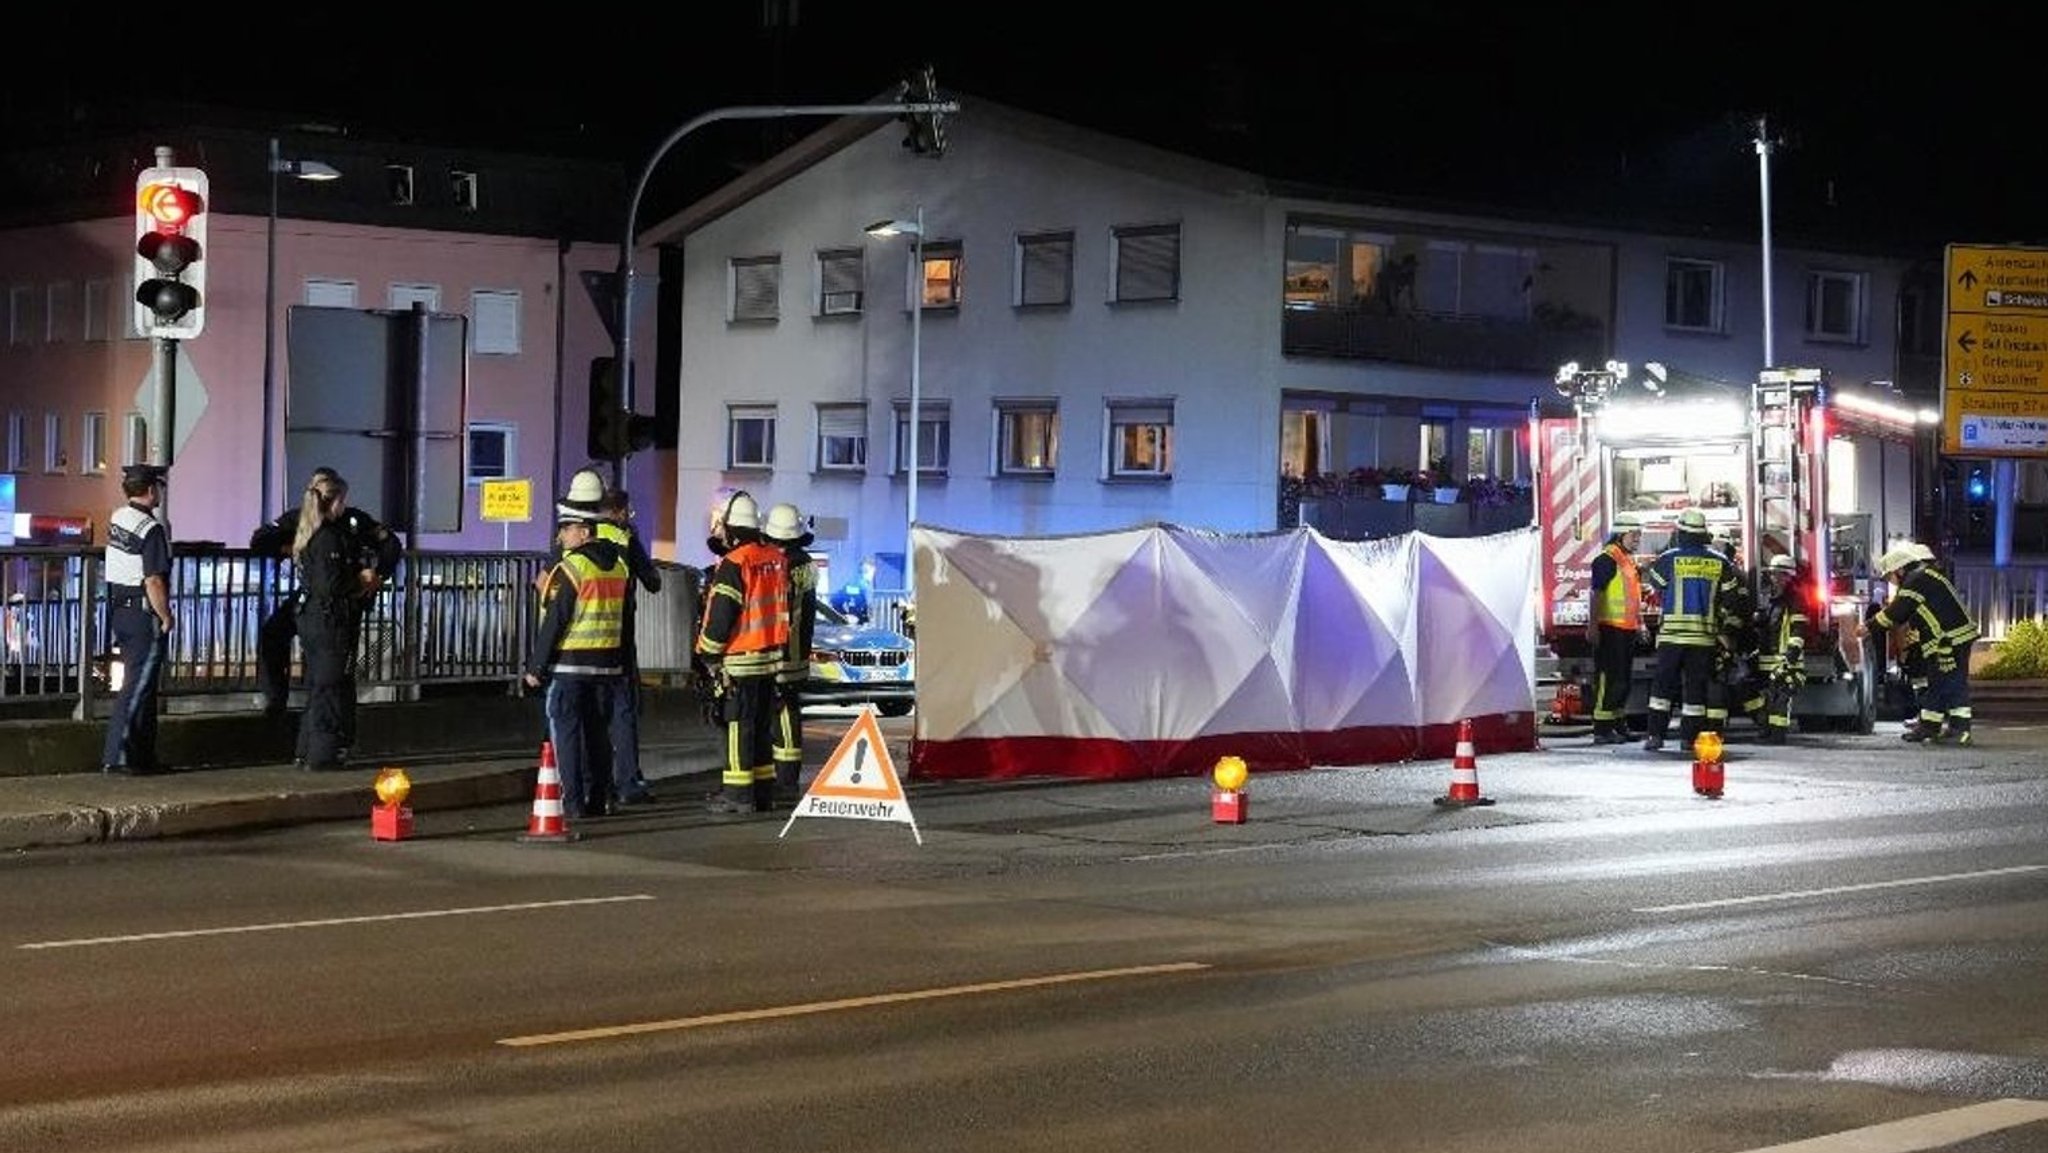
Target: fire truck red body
<point>1788,465</point>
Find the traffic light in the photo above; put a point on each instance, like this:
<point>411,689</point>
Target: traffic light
<point>1979,487</point>
<point>924,132</point>
<point>614,432</point>
<point>170,252</point>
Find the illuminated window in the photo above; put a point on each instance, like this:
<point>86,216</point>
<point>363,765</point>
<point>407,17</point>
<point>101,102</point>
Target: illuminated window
<point>1027,437</point>
<point>92,444</point>
<point>135,443</point>
<point>1139,438</point>
<point>939,288</point>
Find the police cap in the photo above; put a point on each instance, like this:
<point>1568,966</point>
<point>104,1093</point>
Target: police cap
<point>145,474</point>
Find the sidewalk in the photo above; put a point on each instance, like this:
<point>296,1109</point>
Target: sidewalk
<point>84,808</point>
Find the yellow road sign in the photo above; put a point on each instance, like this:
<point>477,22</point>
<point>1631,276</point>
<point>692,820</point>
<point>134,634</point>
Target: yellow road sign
<point>1994,358</point>
<point>506,500</point>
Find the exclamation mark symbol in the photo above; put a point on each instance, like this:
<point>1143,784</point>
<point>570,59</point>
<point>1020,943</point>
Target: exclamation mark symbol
<point>860,754</point>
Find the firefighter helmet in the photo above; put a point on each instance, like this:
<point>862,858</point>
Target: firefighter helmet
<point>1692,520</point>
<point>1920,551</point>
<point>585,488</point>
<point>1898,557</point>
<point>1626,522</point>
<point>1782,563</point>
<point>734,507</point>
<point>785,525</point>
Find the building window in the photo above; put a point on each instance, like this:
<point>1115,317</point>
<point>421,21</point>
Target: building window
<point>96,297</point>
<point>321,293</point>
<point>1027,437</point>
<point>750,436</point>
<point>57,318</point>
<point>1144,262</point>
<point>1304,442</point>
<point>402,297</point>
<point>939,288</point>
<point>21,300</point>
<point>842,437</point>
<point>135,445</point>
<point>398,182</point>
<point>1693,295</point>
<point>53,443</point>
<point>462,188</point>
<point>493,451</point>
<point>1834,306</point>
<point>92,445</point>
<point>756,287</point>
<point>1045,270</point>
<point>17,441</point>
<point>841,276</point>
<point>934,437</point>
<point>494,321</point>
<point>1138,441</point>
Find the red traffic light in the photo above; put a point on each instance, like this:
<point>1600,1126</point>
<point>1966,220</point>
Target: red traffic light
<point>167,205</point>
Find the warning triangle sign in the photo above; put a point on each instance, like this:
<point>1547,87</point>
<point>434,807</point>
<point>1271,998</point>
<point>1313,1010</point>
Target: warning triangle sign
<point>859,780</point>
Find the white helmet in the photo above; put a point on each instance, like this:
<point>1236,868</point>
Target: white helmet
<point>1920,551</point>
<point>1692,520</point>
<point>586,487</point>
<point>1899,556</point>
<point>785,524</point>
<point>1782,563</point>
<point>1625,522</point>
<point>741,512</point>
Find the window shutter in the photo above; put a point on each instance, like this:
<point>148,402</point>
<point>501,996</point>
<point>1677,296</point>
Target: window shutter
<point>1048,263</point>
<point>849,421</point>
<point>1141,414</point>
<point>1148,263</point>
<point>756,289</point>
<point>840,281</point>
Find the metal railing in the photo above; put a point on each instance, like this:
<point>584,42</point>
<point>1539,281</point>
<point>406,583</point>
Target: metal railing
<point>2001,597</point>
<point>447,617</point>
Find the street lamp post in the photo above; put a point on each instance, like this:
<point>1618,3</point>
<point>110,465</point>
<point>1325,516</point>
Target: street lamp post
<point>914,229</point>
<point>303,170</point>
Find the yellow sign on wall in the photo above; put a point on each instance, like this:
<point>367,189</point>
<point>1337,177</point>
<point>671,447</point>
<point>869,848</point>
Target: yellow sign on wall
<point>508,501</point>
<point>1994,353</point>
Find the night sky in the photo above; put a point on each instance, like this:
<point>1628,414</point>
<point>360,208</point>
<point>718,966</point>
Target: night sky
<point>1894,127</point>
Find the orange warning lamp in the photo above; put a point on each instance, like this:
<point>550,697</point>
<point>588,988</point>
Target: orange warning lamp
<point>1707,747</point>
<point>393,786</point>
<point>1230,773</point>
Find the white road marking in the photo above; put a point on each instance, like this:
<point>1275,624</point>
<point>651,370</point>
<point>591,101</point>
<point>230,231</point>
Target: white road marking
<point>280,926</point>
<point>1928,1131</point>
<point>744,1015</point>
<point>1802,894</point>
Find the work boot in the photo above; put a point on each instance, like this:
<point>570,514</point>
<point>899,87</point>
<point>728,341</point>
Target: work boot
<point>1951,734</point>
<point>1920,734</point>
<point>732,799</point>
<point>764,796</point>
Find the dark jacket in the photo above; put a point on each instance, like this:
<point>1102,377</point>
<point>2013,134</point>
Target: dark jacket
<point>371,545</point>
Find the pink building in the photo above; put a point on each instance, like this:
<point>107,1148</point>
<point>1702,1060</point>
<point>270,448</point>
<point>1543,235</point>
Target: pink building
<point>503,249</point>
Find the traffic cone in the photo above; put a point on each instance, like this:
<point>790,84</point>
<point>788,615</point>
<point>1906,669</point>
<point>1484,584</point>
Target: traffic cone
<point>547,823</point>
<point>1464,773</point>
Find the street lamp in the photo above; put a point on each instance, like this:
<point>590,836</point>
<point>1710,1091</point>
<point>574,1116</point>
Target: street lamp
<point>303,170</point>
<point>914,229</point>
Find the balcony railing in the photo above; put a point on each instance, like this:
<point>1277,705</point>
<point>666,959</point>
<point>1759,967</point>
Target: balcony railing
<point>1431,340</point>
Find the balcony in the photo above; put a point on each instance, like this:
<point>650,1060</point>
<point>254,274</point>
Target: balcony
<point>1427,340</point>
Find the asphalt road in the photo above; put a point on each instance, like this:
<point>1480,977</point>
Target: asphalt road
<point>1852,938</point>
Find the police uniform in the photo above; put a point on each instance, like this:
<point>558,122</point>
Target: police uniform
<point>376,547</point>
<point>628,786</point>
<point>579,652</point>
<point>138,554</point>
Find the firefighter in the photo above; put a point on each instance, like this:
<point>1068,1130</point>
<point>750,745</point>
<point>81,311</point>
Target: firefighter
<point>1929,605</point>
<point>1616,627</point>
<point>1693,582</point>
<point>744,638</point>
<point>785,529</point>
<point>1781,656</point>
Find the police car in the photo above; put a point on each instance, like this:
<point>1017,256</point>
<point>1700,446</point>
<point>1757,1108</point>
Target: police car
<point>853,664</point>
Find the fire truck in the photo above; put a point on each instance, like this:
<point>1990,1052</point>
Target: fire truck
<point>1786,465</point>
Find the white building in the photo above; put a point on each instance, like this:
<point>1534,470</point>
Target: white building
<point>1115,335</point>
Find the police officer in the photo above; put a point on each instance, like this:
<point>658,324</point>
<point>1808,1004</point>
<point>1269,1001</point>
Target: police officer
<point>378,550</point>
<point>1616,627</point>
<point>744,639</point>
<point>579,653</point>
<point>1781,654</point>
<point>785,529</point>
<point>1691,580</point>
<point>138,565</point>
<point>1930,606</point>
<point>333,582</point>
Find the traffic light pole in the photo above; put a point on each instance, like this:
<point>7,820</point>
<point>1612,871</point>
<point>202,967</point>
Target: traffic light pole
<point>622,340</point>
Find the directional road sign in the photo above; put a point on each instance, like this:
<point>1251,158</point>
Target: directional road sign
<point>1994,360</point>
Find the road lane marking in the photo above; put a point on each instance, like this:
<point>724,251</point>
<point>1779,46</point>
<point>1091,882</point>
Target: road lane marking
<point>744,1015</point>
<point>1802,894</point>
<point>280,926</point>
<point>1927,1131</point>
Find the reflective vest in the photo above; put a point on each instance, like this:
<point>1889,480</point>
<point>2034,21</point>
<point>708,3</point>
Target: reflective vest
<point>1928,602</point>
<point>1620,603</point>
<point>746,615</point>
<point>590,645</point>
<point>803,598</point>
<point>1692,580</point>
<point>126,530</point>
